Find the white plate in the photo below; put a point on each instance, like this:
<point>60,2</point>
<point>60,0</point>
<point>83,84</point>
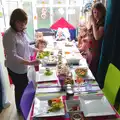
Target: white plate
<point>40,77</point>
<point>51,60</point>
<point>88,76</point>
<point>41,107</point>
<point>48,87</point>
<point>94,105</point>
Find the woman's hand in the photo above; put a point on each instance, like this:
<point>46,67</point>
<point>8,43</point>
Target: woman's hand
<point>35,62</point>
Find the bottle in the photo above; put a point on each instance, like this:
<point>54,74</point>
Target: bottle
<point>69,92</point>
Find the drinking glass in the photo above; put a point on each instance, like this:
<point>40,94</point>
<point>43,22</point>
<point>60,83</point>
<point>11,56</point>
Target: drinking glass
<point>79,81</point>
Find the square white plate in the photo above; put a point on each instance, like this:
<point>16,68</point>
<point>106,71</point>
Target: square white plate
<point>94,105</point>
<point>48,87</point>
<point>41,107</point>
<point>40,77</point>
<point>89,75</point>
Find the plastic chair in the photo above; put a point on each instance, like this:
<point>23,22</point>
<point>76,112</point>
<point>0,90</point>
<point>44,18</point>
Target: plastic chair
<point>112,83</point>
<point>46,31</point>
<point>27,99</point>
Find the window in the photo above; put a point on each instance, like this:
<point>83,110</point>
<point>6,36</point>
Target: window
<point>58,13</point>
<point>10,6</point>
<point>59,2</point>
<point>27,6</point>
<point>42,1</point>
<point>75,2</point>
<point>73,15</point>
<point>43,20</point>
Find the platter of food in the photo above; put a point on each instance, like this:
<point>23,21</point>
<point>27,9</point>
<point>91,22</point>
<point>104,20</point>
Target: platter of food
<point>81,72</point>
<point>49,108</point>
<point>48,72</point>
<point>43,54</point>
<point>47,75</point>
<point>51,60</point>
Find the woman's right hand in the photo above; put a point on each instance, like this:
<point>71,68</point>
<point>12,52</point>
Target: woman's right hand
<point>35,62</point>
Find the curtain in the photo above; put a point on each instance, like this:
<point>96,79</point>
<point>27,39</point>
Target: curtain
<point>111,41</point>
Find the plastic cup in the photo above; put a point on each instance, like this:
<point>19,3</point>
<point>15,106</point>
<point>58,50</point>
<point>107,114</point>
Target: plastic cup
<point>36,68</point>
<point>55,44</point>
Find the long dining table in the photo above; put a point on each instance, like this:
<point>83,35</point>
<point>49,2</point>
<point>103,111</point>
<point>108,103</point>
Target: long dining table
<point>52,89</point>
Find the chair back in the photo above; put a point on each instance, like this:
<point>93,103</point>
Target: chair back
<point>27,99</point>
<point>46,31</point>
<point>112,83</point>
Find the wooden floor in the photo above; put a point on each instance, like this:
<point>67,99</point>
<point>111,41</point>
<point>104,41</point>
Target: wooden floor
<point>10,113</point>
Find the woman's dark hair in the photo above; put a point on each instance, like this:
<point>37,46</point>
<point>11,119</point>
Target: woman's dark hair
<point>18,15</point>
<point>100,7</point>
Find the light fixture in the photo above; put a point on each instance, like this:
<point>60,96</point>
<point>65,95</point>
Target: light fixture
<point>61,11</point>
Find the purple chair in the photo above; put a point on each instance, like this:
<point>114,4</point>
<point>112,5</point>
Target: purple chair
<point>27,99</point>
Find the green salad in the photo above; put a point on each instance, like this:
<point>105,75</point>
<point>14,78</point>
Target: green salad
<point>48,72</point>
<point>43,54</point>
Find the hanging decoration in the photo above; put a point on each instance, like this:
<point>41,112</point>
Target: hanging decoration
<point>59,2</point>
<point>61,11</point>
<point>43,2</point>
<point>44,13</point>
<point>35,17</point>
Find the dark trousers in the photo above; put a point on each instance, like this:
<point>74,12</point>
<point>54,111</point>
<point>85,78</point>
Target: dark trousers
<point>20,81</point>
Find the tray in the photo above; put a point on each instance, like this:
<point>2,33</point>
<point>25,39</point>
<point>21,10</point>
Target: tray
<point>94,105</point>
<point>41,107</point>
<point>40,77</point>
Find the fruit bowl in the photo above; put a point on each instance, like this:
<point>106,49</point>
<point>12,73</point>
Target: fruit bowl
<point>81,72</point>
